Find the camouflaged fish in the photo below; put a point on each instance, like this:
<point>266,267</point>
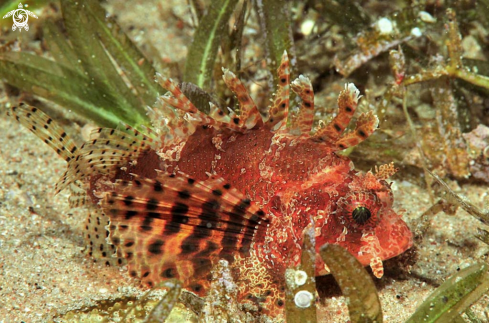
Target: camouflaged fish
<point>196,188</point>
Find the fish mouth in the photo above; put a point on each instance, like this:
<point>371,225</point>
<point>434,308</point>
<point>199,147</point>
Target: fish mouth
<point>392,237</point>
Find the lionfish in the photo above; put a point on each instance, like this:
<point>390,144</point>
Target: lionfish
<point>197,188</point>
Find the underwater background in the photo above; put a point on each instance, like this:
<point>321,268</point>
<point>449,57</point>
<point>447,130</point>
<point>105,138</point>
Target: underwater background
<point>421,66</point>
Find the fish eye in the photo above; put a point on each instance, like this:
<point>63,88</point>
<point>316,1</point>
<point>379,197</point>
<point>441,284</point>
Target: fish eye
<point>361,215</point>
<point>360,210</point>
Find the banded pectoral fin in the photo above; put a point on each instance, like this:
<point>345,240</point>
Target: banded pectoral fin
<point>49,131</point>
<point>176,227</point>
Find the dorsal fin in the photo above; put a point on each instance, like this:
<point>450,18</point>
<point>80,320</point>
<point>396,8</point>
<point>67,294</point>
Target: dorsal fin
<point>304,119</point>
<point>365,126</point>
<point>249,116</point>
<point>175,227</point>
<point>347,104</point>
<point>181,102</point>
<point>280,105</point>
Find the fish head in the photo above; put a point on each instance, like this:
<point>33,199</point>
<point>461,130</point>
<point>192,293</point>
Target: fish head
<point>363,221</point>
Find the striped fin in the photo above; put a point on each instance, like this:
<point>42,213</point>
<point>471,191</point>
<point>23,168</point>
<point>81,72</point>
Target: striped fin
<point>230,120</point>
<point>96,234</point>
<point>78,196</point>
<point>46,129</point>
<point>181,102</point>
<point>280,106</point>
<point>218,115</point>
<point>102,156</point>
<point>303,88</point>
<point>347,104</point>
<point>129,140</point>
<point>249,116</point>
<point>177,127</point>
<point>366,125</point>
<point>175,227</point>
<point>52,134</point>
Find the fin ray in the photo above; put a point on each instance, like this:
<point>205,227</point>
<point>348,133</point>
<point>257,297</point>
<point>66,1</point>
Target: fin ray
<point>186,223</point>
<point>249,116</point>
<point>347,104</point>
<point>304,120</point>
<point>280,107</point>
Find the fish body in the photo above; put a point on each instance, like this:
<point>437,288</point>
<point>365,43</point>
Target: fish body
<point>197,188</point>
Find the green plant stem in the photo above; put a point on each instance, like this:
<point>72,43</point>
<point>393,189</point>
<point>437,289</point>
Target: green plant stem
<point>203,51</point>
